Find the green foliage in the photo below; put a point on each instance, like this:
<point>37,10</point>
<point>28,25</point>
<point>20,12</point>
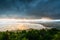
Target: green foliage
<point>44,34</point>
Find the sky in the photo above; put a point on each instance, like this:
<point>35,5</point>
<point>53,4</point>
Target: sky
<point>30,9</point>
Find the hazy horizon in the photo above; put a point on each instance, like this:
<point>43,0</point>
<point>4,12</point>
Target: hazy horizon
<point>31,9</point>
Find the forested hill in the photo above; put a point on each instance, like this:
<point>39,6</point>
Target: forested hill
<point>31,34</point>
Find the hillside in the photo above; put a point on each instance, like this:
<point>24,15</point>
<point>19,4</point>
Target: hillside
<point>31,34</point>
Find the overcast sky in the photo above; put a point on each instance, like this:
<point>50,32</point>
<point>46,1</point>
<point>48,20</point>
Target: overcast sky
<point>30,8</point>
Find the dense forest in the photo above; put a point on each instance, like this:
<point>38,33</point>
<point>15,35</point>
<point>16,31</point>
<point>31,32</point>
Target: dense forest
<point>31,34</point>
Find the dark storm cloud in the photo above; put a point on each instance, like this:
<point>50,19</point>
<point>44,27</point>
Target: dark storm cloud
<point>48,8</point>
<point>30,8</point>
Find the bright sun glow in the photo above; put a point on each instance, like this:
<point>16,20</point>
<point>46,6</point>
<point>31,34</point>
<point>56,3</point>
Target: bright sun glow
<point>24,20</point>
<point>12,21</point>
<point>45,18</point>
<point>23,24</point>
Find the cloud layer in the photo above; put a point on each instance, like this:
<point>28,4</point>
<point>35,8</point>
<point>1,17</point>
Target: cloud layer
<point>30,8</point>
<point>21,26</point>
